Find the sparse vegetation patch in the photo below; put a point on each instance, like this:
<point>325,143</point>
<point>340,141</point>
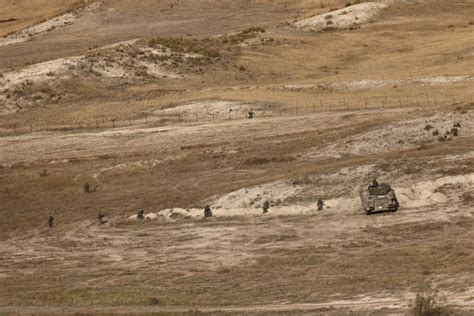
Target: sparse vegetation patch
<point>429,303</point>
<point>206,48</point>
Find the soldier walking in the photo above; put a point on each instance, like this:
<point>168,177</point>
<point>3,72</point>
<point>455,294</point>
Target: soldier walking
<point>266,207</point>
<point>50,221</point>
<point>207,211</point>
<point>320,204</point>
<point>101,218</point>
<point>141,215</point>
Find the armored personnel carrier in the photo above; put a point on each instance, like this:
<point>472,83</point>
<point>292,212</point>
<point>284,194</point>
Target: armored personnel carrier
<point>379,198</point>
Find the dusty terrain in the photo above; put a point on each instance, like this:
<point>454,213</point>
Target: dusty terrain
<point>146,103</point>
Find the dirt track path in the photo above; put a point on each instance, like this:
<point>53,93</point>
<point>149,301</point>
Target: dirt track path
<point>393,305</point>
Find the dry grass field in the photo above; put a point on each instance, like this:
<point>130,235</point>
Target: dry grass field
<point>145,103</point>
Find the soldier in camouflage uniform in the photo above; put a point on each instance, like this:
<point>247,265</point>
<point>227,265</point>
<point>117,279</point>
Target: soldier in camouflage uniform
<point>320,204</point>
<point>101,218</point>
<point>50,221</point>
<point>374,183</point>
<point>266,207</point>
<point>207,211</point>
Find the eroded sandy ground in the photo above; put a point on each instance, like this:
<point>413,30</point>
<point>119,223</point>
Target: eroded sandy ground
<point>177,251</point>
<point>350,17</point>
<point>293,260</point>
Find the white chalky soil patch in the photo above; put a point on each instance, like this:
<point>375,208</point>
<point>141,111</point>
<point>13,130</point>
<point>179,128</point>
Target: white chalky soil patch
<point>248,202</point>
<point>343,18</point>
<point>211,108</point>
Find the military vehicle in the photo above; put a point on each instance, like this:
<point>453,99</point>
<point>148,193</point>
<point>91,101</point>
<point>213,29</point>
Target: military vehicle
<point>379,198</point>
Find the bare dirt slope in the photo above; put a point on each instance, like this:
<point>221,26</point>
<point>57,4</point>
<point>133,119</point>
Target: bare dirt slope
<point>122,106</point>
<point>17,15</point>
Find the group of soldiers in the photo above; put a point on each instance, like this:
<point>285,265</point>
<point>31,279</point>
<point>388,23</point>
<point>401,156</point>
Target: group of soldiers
<point>102,218</point>
<point>265,207</point>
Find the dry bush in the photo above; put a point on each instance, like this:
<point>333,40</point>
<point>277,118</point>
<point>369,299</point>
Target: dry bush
<point>243,35</point>
<point>267,239</point>
<point>206,47</point>
<point>209,48</point>
<point>442,138</point>
<point>429,303</point>
<point>154,301</point>
<point>264,160</point>
<point>468,198</point>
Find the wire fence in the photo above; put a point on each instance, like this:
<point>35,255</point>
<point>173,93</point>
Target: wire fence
<point>240,113</point>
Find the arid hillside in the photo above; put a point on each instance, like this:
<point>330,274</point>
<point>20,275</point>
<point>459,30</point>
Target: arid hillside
<point>113,107</point>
